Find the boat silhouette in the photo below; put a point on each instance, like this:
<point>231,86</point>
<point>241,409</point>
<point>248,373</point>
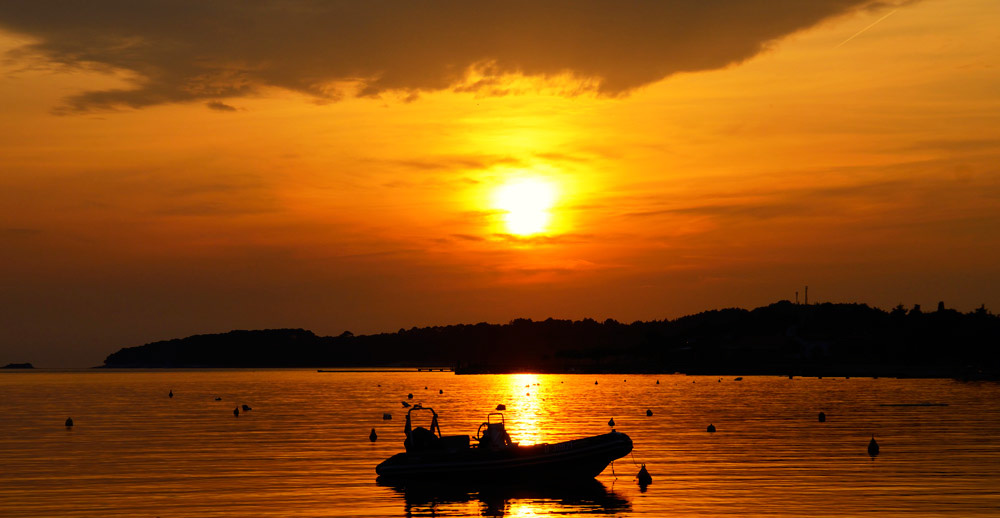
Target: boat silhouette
<point>494,457</point>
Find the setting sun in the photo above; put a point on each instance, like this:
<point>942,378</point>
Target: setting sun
<point>526,205</point>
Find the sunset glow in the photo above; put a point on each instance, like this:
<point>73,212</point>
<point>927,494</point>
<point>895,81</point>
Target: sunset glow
<point>446,163</point>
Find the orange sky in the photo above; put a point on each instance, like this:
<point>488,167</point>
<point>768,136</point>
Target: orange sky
<point>199,167</point>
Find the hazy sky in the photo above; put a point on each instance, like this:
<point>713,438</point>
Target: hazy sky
<point>172,168</point>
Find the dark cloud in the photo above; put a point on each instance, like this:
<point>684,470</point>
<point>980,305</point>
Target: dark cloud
<point>750,210</point>
<point>468,237</point>
<point>449,163</point>
<point>217,209</point>
<point>786,203</point>
<point>195,50</point>
<point>543,239</point>
<point>220,106</point>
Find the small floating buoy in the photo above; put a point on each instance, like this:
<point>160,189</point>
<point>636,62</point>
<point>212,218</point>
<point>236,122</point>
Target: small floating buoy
<point>625,381</point>
<point>822,417</point>
<point>611,422</point>
<point>405,404</point>
<point>440,391</point>
<point>409,396</point>
<point>595,383</point>
<point>643,476</point>
<point>657,382</point>
<point>649,413</point>
<point>711,428</point>
<point>386,416</point>
<point>527,393</point>
<point>236,411</point>
<point>246,407</point>
<point>720,380</point>
<point>69,422</point>
<point>171,393</point>
<point>425,388</point>
<point>501,406</point>
<point>872,447</point>
<point>372,436</point>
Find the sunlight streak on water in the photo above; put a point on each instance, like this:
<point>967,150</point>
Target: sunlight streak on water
<point>303,449</point>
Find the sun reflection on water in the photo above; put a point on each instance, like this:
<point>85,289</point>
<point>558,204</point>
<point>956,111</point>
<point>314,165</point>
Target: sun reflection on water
<point>524,392</point>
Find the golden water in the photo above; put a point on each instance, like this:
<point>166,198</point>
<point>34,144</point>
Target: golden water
<point>303,449</point>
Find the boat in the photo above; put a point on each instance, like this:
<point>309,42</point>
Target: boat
<point>495,457</point>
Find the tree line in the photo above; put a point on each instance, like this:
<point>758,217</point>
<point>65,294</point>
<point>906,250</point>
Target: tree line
<point>781,338</point>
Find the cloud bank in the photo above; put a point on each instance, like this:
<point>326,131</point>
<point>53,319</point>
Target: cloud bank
<point>184,51</point>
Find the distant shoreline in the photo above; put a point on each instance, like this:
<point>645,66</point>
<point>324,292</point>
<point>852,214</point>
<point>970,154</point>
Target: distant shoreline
<point>726,374</point>
<point>781,339</point>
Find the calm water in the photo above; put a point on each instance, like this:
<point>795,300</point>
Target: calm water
<point>304,450</point>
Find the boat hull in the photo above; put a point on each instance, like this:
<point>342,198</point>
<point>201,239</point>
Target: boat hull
<point>577,459</point>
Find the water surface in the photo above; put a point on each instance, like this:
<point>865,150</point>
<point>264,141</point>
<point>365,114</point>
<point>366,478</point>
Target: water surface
<point>303,449</point>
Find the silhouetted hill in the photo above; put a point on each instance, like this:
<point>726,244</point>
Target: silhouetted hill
<point>264,348</point>
<point>782,338</point>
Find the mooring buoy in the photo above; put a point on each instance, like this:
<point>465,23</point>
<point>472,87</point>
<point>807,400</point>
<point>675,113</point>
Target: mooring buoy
<point>872,447</point>
<point>643,476</point>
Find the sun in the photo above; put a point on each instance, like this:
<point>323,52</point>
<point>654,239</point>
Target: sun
<point>526,205</point>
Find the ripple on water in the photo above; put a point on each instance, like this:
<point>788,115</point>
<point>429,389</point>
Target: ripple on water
<point>304,448</point>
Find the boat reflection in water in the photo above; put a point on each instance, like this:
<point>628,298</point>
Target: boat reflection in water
<point>507,499</point>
